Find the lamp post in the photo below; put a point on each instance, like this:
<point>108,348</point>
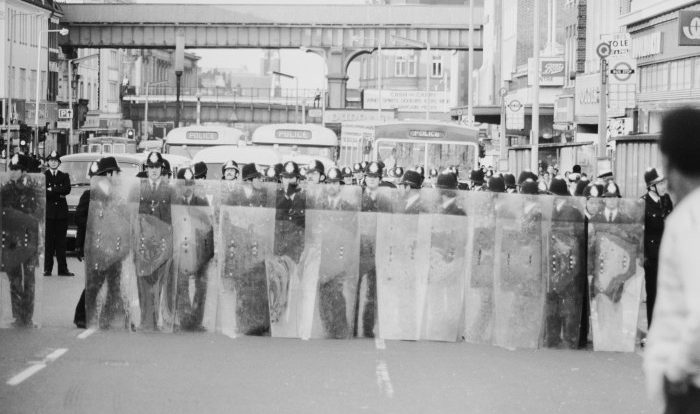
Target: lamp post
<point>296,80</point>
<point>427,67</point>
<point>70,90</point>
<point>145,107</point>
<point>325,84</point>
<point>62,32</point>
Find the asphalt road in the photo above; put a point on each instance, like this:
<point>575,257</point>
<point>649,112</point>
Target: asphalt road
<point>120,372</point>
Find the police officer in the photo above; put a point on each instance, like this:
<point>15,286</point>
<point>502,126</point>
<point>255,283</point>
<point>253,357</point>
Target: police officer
<point>371,201</point>
<point>509,181</point>
<point>290,216</point>
<point>333,200</point>
<point>199,170</point>
<point>57,188</point>
<point>347,176</point>
<point>657,206</point>
<point>155,216</point>
<point>315,173</point>
<point>358,174</point>
<point>476,180</point>
<point>496,184</point>
<point>429,182</point>
<point>249,193</point>
<point>409,186</point>
<point>229,171</point>
<point>447,183</point>
<point>20,238</point>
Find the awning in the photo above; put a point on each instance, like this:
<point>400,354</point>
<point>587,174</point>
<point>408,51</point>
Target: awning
<point>491,114</point>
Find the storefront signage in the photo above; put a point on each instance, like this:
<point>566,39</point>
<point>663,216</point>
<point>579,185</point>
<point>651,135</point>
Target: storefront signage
<point>551,72</point>
<point>620,43</point>
<point>336,116</point>
<point>587,102</point>
<point>408,101</point>
<point>647,45</point>
<point>689,28</point>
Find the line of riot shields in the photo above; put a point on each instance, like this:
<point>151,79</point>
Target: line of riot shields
<point>22,223</point>
<point>332,261</point>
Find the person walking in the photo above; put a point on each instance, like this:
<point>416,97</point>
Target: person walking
<point>672,354</point>
<point>57,188</point>
<point>657,206</point>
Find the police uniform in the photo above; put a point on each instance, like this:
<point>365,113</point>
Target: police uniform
<point>447,183</point>
<point>57,188</point>
<point>410,203</point>
<point>20,241</point>
<point>290,217</point>
<point>655,213</point>
<point>155,218</point>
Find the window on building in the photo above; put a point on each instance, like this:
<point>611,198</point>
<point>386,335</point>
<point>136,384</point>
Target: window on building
<point>412,65</point>
<point>400,66</point>
<point>436,64</point>
<point>22,90</point>
<point>113,91</point>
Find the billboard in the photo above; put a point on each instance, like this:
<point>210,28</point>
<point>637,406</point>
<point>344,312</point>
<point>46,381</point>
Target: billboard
<point>689,28</point>
<point>408,101</point>
<point>551,71</point>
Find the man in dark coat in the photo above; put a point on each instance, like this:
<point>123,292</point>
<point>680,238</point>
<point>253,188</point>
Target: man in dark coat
<point>447,183</point>
<point>290,214</point>
<point>410,201</point>
<point>657,206</point>
<point>20,235</point>
<point>57,188</point>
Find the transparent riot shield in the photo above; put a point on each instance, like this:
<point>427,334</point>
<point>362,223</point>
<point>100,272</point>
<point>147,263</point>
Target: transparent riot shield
<point>373,202</point>
<point>565,272</point>
<point>152,248</point>
<point>285,268</point>
<point>194,267</point>
<point>22,220</point>
<point>331,262</point>
<point>247,230</point>
<point>109,293</point>
<point>444,296</point>
<point>403,240</point>
<point>481,253</point>
<point>519,288</point>
<point>615,271</point>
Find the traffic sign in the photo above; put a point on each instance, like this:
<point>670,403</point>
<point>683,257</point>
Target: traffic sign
<point>603,50</point>
<point>622,71</point>
<point>65,113</point>
<point>514,105</point>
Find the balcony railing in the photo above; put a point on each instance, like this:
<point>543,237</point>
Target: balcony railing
<point>236,95</point>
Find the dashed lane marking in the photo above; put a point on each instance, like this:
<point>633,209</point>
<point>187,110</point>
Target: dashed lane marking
<point>379,344</point>
<point>383,379</point>
<point>36,367</point>
<point>87,333</point>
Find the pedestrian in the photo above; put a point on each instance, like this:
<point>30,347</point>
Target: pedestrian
<point>672,354</point>
<point>20,233</point>
<point>57,188</point>
<point>657,206</point>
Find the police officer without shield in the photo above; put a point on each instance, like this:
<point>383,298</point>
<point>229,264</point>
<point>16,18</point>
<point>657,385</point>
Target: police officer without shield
<point>657,206</point>
<point>57,188</point>
<point>229,171</point>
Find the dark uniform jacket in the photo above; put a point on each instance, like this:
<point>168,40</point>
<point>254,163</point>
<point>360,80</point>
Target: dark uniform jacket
<point>654,215</point>
<point>451,209</point>
<point>256,198</point>
<point>156,203</point>
<point>56,205</point>
<point>291,208</point>
<point>375,201</point>
<point>81,218</point>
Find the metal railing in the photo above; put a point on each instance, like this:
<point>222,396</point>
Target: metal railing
<point>280,96</point>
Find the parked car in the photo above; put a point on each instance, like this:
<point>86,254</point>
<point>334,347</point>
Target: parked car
<point>77,166</point>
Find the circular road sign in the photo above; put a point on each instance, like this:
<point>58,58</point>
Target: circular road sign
<point>503,92</point>
<point>622,71</point>
<point>515,105</point>
<point>603,50</point>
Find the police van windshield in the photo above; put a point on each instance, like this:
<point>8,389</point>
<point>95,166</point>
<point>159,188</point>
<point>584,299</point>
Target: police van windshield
<point>439,156</point>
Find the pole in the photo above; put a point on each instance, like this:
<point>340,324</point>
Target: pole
<point>296,104</point>
<point>470,85</point>
<point>602,113</point>
<point>502,142</point>
<point>379,78</point>
<point>8,110</point>
<point>535,129</point>
<point>444,90</point>
<point>178,75</point>
<point>145,114</point>
<point>428,64</point>
<point>36,94</point>
<point>70,101</point>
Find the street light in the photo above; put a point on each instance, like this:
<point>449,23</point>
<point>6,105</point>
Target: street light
<point>427,67</point>
<point>62,32</point>
<point>296,80</point>
<point>70,90</point>
<point>145,106</point>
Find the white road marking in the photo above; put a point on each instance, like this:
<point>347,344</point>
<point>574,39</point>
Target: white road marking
<point>379,344</point>
<point>383,379</point>
<point>87,333</point>
<point>36,367</point>
<point>17,379</point>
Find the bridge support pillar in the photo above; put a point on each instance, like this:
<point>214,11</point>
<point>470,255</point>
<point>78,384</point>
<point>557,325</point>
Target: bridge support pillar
<point>337,77</point>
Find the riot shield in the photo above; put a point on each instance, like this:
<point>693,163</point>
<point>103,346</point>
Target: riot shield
<point>566,272</point>
<point>333,249</point>
<point>615,270</point>
<point>23,206</point>
<point>373,202</point>
<point>247,224</point>
<point>519,283</point>
<point>108,240</point>
<point>285,269</point>
<point>403,239</point>
<point>152,248</point>
<point>194,266</point>
<point>481,252</point>
<point>444,297</point>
